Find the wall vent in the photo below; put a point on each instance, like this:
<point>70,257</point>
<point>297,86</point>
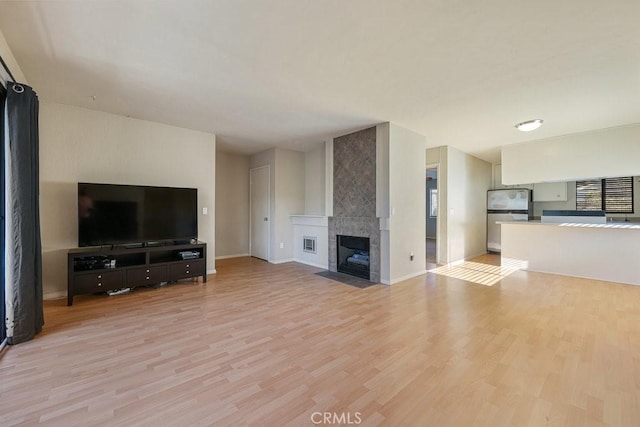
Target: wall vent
<point>309,244</point>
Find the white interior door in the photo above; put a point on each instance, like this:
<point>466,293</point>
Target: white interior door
<point>259,183</point>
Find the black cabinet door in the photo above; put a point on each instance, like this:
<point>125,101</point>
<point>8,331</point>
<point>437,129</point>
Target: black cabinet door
<point>186,269</point>
<point>146,275</point>
<point>99,281</point>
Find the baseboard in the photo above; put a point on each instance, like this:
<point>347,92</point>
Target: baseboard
<point>212,271</point>
<point>408,276</point>
<point>312,264</point>
<point>55,295</point>
<point>282,261</point>
<point>232,256</point>
<point>477,255</point>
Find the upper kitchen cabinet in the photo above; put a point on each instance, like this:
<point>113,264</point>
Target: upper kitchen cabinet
<point>550,192</point>
<point>497,180</point>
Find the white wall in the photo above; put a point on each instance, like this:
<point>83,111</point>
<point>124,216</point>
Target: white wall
<point>289,193</point>
<point>232,205</point>
<point>11,62</point>
<point>407,203</point>
<point>602,153</point>
<point>287,197</point>
<point>314,181</point>
<point>328,177</point>
<point>79,145</point>
<point>383,211</point>
<point>315,227</point>
<point>467,181</point>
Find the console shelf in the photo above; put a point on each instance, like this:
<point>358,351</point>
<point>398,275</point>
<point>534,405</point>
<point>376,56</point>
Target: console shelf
<point>95,270</point>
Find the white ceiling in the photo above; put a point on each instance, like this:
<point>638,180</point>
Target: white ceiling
<point>291,73</point>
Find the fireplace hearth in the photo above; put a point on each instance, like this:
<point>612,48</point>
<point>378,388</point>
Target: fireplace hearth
<point>353,256</point>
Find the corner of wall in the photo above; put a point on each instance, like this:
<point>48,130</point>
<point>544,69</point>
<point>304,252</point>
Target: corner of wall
<point>10,60</point>
<point>328,178</point>
<point>467,180</point>
<point>382,170</point>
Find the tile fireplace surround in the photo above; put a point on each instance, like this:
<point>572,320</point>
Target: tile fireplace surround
<point>354,195</point>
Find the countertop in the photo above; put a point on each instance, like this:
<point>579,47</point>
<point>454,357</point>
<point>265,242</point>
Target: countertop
<point>612,225</point>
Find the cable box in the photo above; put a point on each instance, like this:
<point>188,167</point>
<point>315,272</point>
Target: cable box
<point>189,254</point>
<point>90,263</point>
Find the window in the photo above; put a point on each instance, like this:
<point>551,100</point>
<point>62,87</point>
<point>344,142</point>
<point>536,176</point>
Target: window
<point>433,194</point>
<point>613,195</point>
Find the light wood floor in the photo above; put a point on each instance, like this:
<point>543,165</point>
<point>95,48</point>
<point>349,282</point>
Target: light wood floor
<point>432,255</point>
<point>270,345</point>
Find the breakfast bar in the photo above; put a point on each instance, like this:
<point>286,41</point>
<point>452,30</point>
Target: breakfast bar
<point>608,251</point>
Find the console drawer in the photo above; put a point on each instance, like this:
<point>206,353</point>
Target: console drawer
<point>146,275</point>
<point>101,281</point>
<point>186,269</point>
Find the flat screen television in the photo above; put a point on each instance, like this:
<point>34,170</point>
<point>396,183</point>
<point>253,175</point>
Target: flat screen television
<point>110,214</point>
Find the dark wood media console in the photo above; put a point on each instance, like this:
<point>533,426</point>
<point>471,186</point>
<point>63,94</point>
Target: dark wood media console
<point>94,270</point>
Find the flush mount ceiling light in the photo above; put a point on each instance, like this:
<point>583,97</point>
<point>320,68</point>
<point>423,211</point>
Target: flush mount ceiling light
<point>529,125</point>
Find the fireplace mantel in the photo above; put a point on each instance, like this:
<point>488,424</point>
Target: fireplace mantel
<point>313,220</point>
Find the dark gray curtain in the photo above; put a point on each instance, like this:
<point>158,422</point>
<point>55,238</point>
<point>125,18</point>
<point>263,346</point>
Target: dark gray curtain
<point>3,315</point>
<point>23,246</point>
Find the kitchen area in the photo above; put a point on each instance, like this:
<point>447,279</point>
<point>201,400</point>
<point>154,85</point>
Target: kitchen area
<point>551,228</point>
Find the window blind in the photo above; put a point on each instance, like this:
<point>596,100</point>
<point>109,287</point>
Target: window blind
<point>618,195</point>
<point>589,195</point>
<point>613,195</point>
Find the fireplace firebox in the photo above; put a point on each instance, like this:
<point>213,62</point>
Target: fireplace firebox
<point>353,256</point>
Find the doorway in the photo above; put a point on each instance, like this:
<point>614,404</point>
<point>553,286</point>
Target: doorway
<point>431,238</point>
<point>260,196</point>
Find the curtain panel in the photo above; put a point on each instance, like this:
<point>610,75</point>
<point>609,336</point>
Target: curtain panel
<point>3,311</point>
<point>23,257</point>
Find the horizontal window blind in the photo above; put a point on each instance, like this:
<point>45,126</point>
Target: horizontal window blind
<point>618,195</point>
<point>589,195</point>
<point>613,195</point>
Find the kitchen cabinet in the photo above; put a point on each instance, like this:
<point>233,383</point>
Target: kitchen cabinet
<point>497,180</point>
<point>550,192</point>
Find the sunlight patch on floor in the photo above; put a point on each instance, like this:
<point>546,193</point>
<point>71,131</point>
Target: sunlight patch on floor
<point>483,274</point>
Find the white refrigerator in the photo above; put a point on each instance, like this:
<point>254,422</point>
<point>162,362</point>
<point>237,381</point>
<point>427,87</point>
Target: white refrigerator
<point>512,204</point>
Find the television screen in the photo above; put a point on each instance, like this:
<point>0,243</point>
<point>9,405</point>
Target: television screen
<point>115,214</point>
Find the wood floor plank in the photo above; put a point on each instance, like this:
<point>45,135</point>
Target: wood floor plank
<point>264,344</point>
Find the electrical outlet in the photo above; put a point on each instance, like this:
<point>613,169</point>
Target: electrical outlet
<point>205,211</point>
<point>281,245</point>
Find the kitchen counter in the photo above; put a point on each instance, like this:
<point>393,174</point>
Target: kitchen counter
<point>609,252</point>
<point>614,224</point>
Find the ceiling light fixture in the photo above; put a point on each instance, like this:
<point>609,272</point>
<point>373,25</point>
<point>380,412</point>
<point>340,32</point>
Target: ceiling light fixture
<point>529,125</point>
